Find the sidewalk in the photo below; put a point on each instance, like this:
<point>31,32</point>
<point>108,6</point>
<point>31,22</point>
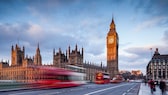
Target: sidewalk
<point>145,90</point>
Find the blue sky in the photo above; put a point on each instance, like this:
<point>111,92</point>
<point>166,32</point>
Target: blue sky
<point>141,25</point>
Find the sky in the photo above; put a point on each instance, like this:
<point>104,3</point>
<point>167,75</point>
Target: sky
<point>140,24</point>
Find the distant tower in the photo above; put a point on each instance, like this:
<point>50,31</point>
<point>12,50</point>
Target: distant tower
<point>112,50</point>
<point>37,58</point>
<point>71,57</point>
<point>76,57</point>
<point>17,55</point>
<point>59,58</point>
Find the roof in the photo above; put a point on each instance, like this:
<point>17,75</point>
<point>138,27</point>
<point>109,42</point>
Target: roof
<point>165,57</point>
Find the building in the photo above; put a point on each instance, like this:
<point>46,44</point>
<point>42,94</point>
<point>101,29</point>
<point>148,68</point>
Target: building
<point>21,66</point>
<point>75,58</point>
<point>19,69</point>
<point>136,72</point>
<point>157,67</point>
<point>92,69</point>
<point>37,58</point>
<point>112,50</point>
<point>126,74</point>
<point>17,55</point>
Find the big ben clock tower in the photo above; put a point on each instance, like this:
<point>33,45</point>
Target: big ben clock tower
<point>112,50</point>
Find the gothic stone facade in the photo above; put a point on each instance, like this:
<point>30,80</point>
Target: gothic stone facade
<point>75,57</point>
<point>19,69</point>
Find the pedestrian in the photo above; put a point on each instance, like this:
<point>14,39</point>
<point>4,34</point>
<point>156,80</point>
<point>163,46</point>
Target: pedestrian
<point>145,81</point>
<point>162,87</point>
<point>152,86</point>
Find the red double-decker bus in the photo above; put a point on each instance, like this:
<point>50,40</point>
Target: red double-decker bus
<point>51,77</point>
<point>102,78</point>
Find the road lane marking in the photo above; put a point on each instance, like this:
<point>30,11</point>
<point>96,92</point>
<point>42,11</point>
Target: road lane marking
<point>104,89</point>
<point>128,91</point>
<point>52,93</point>
<point>124,94</point>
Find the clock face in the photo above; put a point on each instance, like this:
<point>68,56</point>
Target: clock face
<point>111,39</point>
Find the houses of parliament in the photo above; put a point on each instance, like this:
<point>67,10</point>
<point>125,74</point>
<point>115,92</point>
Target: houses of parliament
<point>20,64</point>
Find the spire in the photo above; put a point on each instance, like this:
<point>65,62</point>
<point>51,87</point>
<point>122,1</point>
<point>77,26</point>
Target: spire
<point>23,49</point>
<point>38,45</point>
<point>101,65</point>
<point>60,50</point>
<point>12,48</point>
<point>76,48</point>
<point>16,46</point>
<point>112,20</point>
<point>112,25</point>
<point>69,49</point>
<point>38,49</point>
<point>157,52</point>
<point>66,53</point>
<point>37,57</point>
<point>82,51</point>
<point>54,51</point>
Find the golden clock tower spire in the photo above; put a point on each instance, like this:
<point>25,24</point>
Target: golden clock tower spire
<point>112,50</point>
<point>112,25</point>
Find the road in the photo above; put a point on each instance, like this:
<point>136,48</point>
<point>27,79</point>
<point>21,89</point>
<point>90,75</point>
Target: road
<point>88,89</point>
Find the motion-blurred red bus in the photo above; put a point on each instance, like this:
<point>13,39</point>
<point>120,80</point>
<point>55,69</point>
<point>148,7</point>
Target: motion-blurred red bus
<point>102,78</point>
<point>51,77</point>
<point>117,79</point>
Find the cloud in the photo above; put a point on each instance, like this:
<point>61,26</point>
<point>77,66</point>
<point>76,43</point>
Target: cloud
<point>35,31</point>
<point>97,59</point>
<point>150,23</point>
<point>154,13</point>
<point>135,58</point>
<point>165,38</point>
<point>23,31</point>
<point>152,7</point>
<point>139,56</point>
<point>12,31</point>
<point>29,34</point>
<point>60,23</point>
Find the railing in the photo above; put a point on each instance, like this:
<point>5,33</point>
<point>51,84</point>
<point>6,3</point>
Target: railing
<point>10,84</point>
